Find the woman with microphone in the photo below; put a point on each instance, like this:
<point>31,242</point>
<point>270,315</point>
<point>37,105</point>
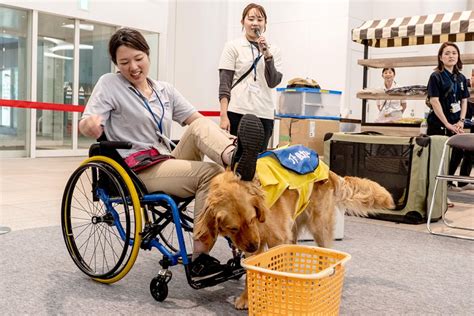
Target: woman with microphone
<point>248,70</point>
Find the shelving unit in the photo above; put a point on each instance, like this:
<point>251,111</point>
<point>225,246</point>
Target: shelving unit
<point>454,27</point>
<point>418,61</point>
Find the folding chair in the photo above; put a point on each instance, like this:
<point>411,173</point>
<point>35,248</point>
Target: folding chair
<point>460,141</point>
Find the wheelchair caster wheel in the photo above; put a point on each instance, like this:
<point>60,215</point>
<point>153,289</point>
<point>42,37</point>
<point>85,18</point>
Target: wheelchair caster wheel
<point>159,289</point>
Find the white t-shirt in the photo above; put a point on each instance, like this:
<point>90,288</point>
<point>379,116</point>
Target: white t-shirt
<point>390,108</point>
<point>252,95</point>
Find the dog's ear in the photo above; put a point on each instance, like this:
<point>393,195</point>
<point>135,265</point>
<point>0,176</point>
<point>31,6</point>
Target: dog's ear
<point>260,207</point>
<point>258,199</point>
<point>205,228</point>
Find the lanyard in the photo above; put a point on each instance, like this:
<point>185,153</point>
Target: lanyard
<point>255,61</point>
<point>454,84</point>
<point>159,123</point>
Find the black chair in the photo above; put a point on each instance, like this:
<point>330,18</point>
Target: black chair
<point>460,141</point>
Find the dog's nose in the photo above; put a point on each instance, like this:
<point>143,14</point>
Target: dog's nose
<point>252,247</point>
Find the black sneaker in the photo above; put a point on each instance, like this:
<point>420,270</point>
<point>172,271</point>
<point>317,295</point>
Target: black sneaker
<point>205,266</point>
<point>250,137</point>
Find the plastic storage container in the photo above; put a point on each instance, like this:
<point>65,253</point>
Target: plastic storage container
<point>295,280</point>
<point>317,103</point>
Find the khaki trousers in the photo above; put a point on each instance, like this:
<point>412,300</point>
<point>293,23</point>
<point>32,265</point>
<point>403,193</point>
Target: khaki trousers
<point>188,175</point>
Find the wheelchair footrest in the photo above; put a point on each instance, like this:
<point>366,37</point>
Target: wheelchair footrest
<point>232,271</point>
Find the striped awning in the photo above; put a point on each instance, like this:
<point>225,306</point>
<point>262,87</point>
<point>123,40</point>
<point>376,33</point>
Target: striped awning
<point>417,30</point>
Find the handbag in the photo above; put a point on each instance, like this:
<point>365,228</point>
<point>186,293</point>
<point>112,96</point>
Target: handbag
<point>145,158</point>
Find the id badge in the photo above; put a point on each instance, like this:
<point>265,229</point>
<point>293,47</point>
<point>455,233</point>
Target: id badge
<point>455,107</point>
<point>254,87</point>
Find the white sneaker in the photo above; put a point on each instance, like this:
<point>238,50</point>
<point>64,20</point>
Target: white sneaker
<point>469,186</point>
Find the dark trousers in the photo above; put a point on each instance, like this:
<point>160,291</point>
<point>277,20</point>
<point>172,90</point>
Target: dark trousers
<point>235,118</point>
<point>457,154</point>
<point>466,166</point>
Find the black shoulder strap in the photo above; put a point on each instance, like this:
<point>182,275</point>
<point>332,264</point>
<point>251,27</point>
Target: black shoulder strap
<point>246,73</point>
<point>449,90</point>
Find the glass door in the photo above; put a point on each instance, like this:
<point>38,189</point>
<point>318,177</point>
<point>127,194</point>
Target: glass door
<point>54,81</point>
<point>13,80</point>
<point>94,61</point>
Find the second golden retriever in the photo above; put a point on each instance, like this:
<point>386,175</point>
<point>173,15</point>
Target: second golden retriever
<point>236,209</point>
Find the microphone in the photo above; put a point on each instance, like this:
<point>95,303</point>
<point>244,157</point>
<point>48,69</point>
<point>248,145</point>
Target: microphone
<point>257,32</point>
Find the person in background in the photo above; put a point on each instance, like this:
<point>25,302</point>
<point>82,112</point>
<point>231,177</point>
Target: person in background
<point>130,106</point>
<point>390,110</point>
<point>448,92</point>
<point>249,68</point>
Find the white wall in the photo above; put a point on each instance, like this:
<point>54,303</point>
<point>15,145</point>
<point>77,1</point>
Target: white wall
<point>144,14</point>
<point>311,34</point>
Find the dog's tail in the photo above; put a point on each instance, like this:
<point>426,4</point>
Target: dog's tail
<point>361,197</point>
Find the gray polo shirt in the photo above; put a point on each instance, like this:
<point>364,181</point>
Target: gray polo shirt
<point>126,117</point>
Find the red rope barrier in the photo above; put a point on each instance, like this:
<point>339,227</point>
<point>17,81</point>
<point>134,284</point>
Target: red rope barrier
<point>63,107</point>
<point>42,105</point>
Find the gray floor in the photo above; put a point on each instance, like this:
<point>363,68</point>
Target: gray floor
<point>395,269</point>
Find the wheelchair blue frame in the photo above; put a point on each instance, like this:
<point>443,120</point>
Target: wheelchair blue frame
<point>120,194</point>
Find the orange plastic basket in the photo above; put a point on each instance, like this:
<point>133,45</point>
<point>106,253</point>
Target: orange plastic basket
<point>295,280</point>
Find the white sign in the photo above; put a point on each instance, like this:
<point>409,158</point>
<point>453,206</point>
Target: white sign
<point>6,86</point>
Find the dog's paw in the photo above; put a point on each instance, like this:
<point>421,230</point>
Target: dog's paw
<point>241,303</point>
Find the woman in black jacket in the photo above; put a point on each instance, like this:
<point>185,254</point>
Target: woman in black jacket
<point>448,93</point>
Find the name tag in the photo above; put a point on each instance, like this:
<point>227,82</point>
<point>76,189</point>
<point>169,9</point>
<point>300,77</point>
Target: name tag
<point>455,107</point>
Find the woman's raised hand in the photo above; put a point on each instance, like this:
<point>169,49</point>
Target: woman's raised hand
<point>91,126</point>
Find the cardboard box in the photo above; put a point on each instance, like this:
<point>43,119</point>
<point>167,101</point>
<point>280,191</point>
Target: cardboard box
<point>307,132</point>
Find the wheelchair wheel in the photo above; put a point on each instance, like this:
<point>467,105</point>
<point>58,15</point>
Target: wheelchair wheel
<point>101,219</point>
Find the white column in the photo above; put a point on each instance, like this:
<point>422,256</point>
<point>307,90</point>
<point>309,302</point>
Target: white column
<point>75,82</point>
<point>33,58</point>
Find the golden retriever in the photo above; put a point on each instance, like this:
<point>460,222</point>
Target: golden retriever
<point>236,209</point>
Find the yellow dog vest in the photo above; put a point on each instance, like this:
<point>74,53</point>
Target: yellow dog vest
<point>275,179</point>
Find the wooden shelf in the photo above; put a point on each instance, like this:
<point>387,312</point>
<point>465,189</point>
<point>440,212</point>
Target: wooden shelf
<point>384,96</point>
<point>417,61</point>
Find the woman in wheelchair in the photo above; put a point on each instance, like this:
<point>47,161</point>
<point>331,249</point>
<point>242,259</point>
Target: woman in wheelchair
<point>129,106</point>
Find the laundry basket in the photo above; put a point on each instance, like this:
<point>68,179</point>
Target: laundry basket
<point>295,280</point>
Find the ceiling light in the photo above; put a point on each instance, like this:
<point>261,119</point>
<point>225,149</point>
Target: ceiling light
<point>85,27</point>
<point>57,56</point>
<point>70,47</point>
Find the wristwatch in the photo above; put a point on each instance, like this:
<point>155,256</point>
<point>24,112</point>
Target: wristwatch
<point>462,120</point>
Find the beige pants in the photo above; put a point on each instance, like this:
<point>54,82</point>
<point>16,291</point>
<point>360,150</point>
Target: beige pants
<point>188,175</point>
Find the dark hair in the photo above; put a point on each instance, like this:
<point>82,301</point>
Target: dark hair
<point>130,38</point>
<point>258,7</point>
<point>392,69</point>
<point>458,65</point>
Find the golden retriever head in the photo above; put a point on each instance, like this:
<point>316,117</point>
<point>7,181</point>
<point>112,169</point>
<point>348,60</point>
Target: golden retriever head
<point>233,209</point>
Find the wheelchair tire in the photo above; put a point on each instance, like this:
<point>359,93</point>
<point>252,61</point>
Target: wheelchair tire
<point>101,219</point>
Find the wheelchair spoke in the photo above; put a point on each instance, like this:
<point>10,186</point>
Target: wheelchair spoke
<point>85,227</point>
<point>84,190</point>
<point>103,245</point>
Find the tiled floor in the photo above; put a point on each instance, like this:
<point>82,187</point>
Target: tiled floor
<point>31,192</point>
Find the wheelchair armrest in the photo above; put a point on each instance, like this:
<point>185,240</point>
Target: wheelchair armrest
<point>115,145</point>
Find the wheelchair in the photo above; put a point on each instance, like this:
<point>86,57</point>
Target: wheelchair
<point>107,216</point>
